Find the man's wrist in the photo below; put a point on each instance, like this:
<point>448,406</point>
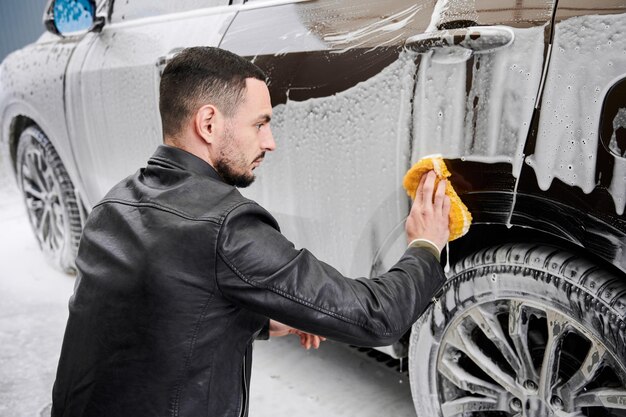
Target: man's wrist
<point>428,245</point>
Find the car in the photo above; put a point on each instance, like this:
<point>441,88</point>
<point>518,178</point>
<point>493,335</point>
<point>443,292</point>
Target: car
<point>525,101</point>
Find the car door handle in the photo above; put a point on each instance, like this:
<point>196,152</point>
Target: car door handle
<point>475,39</point>
<point>164,59</point>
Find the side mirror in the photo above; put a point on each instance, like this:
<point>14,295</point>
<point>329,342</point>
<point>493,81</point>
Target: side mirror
<point>63,17</point>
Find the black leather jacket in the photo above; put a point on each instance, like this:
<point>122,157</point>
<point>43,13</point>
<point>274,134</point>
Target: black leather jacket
<point>178,273</point>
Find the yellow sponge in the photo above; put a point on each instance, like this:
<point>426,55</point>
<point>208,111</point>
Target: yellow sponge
<point>460,217</point>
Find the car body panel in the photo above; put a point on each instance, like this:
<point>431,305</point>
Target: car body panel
<point>114,76</point>
<point>571,179</point>
<point>352,127</point>
<point>26,92</point>
<point>383,107</point>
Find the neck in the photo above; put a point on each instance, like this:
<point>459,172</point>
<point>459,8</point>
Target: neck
<point>193,147</point>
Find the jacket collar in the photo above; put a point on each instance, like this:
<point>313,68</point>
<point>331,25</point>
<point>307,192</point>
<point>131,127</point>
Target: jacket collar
<point>184,160</point>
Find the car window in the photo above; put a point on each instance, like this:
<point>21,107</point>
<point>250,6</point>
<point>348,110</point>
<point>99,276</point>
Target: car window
<point>125,10</point>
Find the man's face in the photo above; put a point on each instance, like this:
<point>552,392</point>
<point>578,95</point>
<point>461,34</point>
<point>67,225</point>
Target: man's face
<point>247,136</point>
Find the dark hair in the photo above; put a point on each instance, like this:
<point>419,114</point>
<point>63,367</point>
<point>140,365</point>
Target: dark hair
<point>202,75</point>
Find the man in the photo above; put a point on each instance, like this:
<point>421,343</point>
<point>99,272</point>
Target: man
<point>178,272</point>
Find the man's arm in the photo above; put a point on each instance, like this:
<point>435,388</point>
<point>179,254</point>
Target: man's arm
<point>259,269</point>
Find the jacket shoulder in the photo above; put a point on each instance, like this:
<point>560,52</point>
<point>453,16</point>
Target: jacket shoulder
<point>192,197</point>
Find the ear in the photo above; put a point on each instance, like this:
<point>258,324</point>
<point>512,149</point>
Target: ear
<point>207,122</point>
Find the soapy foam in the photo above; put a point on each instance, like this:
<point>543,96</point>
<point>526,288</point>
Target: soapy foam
<point>568,135</point>
<point>356,149</point>
<point>490,124</point>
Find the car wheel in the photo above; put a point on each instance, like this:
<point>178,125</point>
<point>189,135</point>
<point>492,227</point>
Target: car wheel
<point>49,197</point>
<point>522,330</point>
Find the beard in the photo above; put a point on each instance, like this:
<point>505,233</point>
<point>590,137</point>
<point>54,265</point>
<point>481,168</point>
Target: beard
<point>230,176</point>
<point>232,165</point>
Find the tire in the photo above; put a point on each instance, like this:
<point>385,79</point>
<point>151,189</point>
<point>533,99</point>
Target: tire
<point>522,330</point>
<point>49,197</point>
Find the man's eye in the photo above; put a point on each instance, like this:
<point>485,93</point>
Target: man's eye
<point>259,126</point>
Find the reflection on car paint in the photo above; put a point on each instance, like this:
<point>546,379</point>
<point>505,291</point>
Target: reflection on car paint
<point>284,27</point>
<point>619,122</point>
<point>568,135</point>
<point>369,33</point>
<point>618,181</point>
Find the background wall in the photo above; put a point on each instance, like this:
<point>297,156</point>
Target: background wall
<point>20,23</point>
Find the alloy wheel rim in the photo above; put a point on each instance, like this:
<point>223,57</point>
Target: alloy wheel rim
<point>43,201</point>
<point>520,358</point>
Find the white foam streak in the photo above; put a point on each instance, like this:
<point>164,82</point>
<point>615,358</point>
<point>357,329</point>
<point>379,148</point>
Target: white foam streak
<point>568,136</point>
<point>436,17</point>
<point>490,122</point>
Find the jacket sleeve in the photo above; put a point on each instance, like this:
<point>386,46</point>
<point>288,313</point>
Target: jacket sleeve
<point>259,269</point>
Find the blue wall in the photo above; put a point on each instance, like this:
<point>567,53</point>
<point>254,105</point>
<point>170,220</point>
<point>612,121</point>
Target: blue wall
<point>20,23</point>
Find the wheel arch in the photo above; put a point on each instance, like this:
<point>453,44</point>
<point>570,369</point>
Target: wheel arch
<point>53,208</point>
<point>16,127</point>
<point>482,236</point>
<point>17,120</point>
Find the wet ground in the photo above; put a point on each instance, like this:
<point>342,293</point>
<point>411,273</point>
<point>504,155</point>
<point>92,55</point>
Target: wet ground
<point>287,380</point>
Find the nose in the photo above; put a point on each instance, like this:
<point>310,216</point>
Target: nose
<point>268,143</point>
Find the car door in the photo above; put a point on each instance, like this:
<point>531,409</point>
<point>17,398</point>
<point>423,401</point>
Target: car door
<point>341,86</point>
<point>475,98</point>
<point>363,89</point>
<point>575,176</point>
<point>113,79</point>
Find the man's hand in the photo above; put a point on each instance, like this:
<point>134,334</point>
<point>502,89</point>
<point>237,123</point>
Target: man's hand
<point>428,218</point>
<point>307,340</point>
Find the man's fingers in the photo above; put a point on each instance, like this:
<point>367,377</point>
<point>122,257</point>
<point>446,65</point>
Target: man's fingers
<point>308,340</point>
<point>420,188</point>
<point>446,206</point>
<point>427,190</point>
<point>439,196</point>
<point>304,340</point>
<point>315,342</point>
<point>429,215</point>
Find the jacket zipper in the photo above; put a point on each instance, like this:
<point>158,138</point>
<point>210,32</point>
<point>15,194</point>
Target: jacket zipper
<point>244,393</point>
